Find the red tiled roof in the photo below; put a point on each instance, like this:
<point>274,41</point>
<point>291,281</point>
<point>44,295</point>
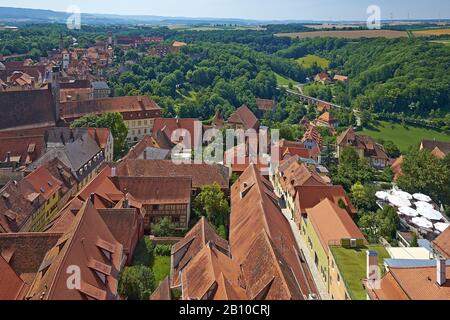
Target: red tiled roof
<point>142,105</point>
<point>156,190</point>
<point>11,286</point>
<point>27,148</point>
<point>254,209</point>
<point>27,109</point>
<point>332,223</point>
<point>245,117</point>
<point>202,174</point>
<point>442,243</point>
<point>265,104</point>
<point>43,182</point>
<point>194,241</point>
<point>413,283</point>
<point>308,197</point>
<point>86,248</point>
<point>209,268</point>
<point>24,252</point>
<point>168,125</point>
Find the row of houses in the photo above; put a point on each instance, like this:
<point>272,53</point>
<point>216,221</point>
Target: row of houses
<point>260,261</point>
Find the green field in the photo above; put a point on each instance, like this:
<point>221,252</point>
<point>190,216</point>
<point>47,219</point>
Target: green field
<point>404,137</point>
<point>283,81</point>
<point>352,266</point>
<point>309,60</point>
<point>161,267</point>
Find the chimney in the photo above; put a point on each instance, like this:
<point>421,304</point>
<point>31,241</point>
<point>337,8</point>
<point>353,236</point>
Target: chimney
<point>126,203</point>
<point>8,157</point>
<point>113,172</point>
<point>91,197</point>
<point>441,275</point>
<point>145,154</point>
<point>372,269</point>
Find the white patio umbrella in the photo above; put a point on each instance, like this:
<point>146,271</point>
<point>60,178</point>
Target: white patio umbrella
<point>422,222</point>
<point>421,197</point>
<point>382,195</point>
<point>429,213</point>
<point>423,204</point>
<point>399,201</point>
<point>407,211</point>
<point>441,227</point>
<point>402,194</point>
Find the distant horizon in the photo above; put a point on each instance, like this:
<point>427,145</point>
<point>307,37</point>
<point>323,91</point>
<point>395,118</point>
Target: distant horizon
<point>252,10</point>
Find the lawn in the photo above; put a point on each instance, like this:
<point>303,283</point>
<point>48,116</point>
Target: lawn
<point>352,266</point>
<point>404,137</point>
<point>309,60</point>
<point>283,81</point>
<point>161,267</point>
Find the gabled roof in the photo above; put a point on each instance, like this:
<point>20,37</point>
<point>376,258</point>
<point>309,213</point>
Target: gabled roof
<point>168,125</point>
<point>156,190</point>
<point>254,209</point>
<point>442,243</point>
<point>313,134</point>
<point>332,223</point>
<point>244,116</point>
<point>24,252</point>
<point>202,174</point>
<point>77,109</point>
<point>298,174</point>
<point>11,286</point>
<point>163,291</point>
<point>123,224</point>
<point>17,205</point>
<point>213,275</point>
<point>438,147</point>
<point>145,149</point>
<point>43,182</point>
<point>265,104</point>
<point>27,109</point>
<point>94,250</point>
<point>25,148</point>
<point>411,283</point>
<point>327,117</point>
<point>308,197</point>
<point>194,241</point>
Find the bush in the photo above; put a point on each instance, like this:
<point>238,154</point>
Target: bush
<point>143,255</point>
<point>137,283</point>
<point>163,250</point>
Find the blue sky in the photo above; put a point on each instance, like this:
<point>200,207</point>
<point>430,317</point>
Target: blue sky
<point>252,9</point>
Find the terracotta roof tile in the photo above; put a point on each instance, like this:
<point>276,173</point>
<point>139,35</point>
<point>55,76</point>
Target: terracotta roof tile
<point>332,223</point>
<point>254,209</point>
<point>245,117</point>
<point>442,243</point>
<point>80,247</point>
<point>11,286</point>
<point>202,174</point>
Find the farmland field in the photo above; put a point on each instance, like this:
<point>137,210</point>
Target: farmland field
<point>348,34</point>
<point>309,60</point>
<point>432,32</point>
<point>404,137</point>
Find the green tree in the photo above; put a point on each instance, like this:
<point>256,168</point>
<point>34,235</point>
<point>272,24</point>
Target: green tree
<point>136,283</point>
<point>163,228</point>
<point>423,172</point>
<point>212,203</point>
<point>114,122</point>
<point>353,169</point>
